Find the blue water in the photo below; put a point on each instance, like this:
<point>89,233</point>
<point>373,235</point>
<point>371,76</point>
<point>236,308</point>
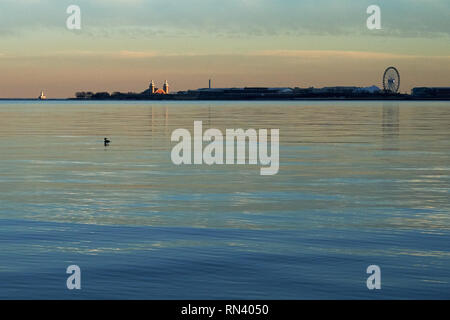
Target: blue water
<point>360,183</point>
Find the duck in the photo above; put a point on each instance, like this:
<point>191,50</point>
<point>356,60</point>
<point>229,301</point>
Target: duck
<point>107,142</point>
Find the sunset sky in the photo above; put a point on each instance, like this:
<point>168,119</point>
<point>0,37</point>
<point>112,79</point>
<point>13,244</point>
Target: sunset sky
<point>123,44</point>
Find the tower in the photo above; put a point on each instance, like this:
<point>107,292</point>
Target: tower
<point>152,87</point>
<point>210,81</point>
<point>166,87</point>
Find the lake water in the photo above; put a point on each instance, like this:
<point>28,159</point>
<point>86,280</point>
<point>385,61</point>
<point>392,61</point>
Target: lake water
<point>360,183</point>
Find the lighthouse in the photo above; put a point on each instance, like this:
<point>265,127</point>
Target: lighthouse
<point>42,96</point>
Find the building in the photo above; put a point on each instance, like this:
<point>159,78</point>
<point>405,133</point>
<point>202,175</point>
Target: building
<point>335,91</point>
<point>367,90</point>
<point>153,90</point>
<point>240,93</point>
<point>431,92</point>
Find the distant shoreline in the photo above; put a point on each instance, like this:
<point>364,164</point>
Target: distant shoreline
<point>241,99</point>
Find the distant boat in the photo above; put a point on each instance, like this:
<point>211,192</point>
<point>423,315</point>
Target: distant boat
<point>42,96</point>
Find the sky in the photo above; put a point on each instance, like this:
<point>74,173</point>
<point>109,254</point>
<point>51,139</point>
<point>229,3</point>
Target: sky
<point>124,44</point>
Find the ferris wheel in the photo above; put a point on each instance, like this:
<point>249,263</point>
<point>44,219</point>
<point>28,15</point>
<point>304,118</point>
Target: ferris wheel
<point>391,80</point>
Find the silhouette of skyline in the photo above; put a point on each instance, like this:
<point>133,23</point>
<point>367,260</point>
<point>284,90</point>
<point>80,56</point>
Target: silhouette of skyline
<point>124,44</point>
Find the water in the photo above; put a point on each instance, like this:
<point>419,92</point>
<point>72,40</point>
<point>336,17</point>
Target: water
<point>360,183</point>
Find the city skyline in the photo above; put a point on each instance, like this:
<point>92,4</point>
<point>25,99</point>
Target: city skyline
<point>122,45</point>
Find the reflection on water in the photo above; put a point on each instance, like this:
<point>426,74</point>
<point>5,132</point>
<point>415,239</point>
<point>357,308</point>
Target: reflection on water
<point>391,119</point>
<point>360,183</point>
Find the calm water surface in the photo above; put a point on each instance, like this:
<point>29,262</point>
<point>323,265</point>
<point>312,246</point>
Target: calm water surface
<point>360,183</point>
